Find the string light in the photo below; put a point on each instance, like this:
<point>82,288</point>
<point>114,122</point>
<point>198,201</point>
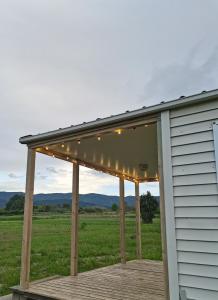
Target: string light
<point>118,131</point>
<point>67,157</point>
<point>46,148</point>
<point>62,145</point>
<point>78,142</point>
<point>99,138</point>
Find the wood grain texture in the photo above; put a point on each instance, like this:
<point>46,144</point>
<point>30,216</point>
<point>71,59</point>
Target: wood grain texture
<point>27,223</point>
<point>139,279</point>
<point>138,222</point>
<point>122,223</point>
<point>74,234</point>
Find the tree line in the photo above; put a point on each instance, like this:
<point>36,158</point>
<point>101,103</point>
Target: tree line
<point>148,204</point>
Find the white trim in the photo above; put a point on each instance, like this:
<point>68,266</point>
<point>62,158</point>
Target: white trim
<point>128,116</point>
<point>215,133</point>
<point>169,207</point>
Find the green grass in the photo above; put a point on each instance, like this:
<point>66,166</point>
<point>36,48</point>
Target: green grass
<point>98,245</point>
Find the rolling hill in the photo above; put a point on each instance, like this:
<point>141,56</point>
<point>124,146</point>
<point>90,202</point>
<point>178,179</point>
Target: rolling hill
<point>92,199</point>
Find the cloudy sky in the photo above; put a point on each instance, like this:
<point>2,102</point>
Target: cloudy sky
<point>63,62</point>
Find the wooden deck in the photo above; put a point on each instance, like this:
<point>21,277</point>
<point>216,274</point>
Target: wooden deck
<point>138,279</point>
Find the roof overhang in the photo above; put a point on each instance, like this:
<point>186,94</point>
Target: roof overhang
<point>116,121</point>
<point>123,145</point>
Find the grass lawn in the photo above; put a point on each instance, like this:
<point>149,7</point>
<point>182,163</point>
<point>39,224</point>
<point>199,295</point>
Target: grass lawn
<point>98,245</point>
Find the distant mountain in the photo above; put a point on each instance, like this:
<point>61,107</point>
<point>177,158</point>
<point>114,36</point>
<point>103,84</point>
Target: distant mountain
<point>92,199</point>
<point>5,196</point>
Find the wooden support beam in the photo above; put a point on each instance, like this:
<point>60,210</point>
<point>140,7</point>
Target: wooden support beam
<point>74,224</point>
<point>122,223</point>
<point>27,223</point>
<point>138,222</point>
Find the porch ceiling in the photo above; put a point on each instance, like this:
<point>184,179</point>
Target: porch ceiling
<point>131,152</point>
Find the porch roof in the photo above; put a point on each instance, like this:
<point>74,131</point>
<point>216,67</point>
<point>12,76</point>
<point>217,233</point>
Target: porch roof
<point>123,145</point>
<point>118,119</point>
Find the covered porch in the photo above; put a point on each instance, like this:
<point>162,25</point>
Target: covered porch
<point>129,151</point>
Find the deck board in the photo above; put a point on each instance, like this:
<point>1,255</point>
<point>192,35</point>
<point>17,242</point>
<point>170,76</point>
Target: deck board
<point>138,279</point>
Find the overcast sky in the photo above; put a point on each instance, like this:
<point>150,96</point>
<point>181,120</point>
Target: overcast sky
<point>63,62</point>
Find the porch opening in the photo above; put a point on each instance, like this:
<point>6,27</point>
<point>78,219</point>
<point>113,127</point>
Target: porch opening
<point>129,153</point>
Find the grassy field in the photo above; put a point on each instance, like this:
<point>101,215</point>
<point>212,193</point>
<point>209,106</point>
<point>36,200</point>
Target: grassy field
<point>98,245</point>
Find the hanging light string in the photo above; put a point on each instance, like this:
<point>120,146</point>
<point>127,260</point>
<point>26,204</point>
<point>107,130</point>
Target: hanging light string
<point>46,150</point>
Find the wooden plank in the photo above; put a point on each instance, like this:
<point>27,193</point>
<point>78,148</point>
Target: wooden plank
<point>27,223</point>
<point>122,223</point>
<point>74,229</point>
<point>138,222</point>
<point>197,246</point>
<point>134,280</point>
<point>167,207</point>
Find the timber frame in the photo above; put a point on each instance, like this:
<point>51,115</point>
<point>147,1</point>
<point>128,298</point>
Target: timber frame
<point>147,116</point>
<point>32,149</point>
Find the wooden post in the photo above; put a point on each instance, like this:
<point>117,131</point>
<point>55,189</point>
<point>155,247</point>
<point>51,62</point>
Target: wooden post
<point>27,223</point>
<point>74,224</point>
<point>138,222</point>
<point>122,223</point>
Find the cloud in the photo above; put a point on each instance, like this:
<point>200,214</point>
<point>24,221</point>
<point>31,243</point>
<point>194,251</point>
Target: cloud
<point>52,170</point>
<point>65,62</point>
<point>14,176</point>
<point>184,78</point>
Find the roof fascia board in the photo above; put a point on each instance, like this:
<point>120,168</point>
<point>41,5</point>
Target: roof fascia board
<point>114,120</point>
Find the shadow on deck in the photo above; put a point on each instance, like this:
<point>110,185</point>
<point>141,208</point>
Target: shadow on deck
<point>138,279</point>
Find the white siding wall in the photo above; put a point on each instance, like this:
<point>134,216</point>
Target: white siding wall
<point>195,193</point>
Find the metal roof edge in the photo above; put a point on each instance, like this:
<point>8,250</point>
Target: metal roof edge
<point>182,101</point>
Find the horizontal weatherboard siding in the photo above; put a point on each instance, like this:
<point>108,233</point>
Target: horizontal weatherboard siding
<point>197,235</point>
<point>200,294</point>
<point>198,246</point>
<point>189,222</point>
<point>203,107</point>
<point>195,193</point>
<point>193,148</point>
<point>194,179</point>
<point>192,169</point>
<point>191,128</point>
<point>197,158</point>
<point>195,118</point>
<point>197,201</point>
